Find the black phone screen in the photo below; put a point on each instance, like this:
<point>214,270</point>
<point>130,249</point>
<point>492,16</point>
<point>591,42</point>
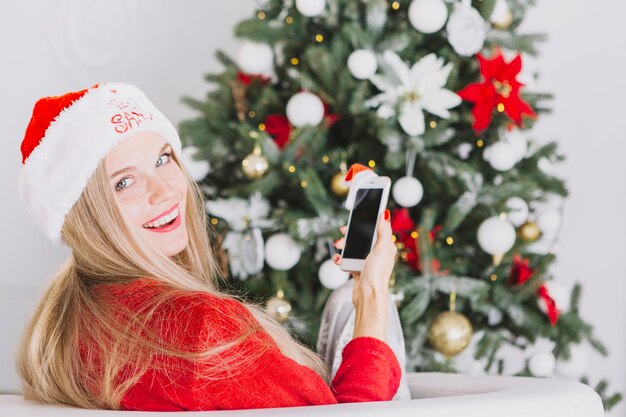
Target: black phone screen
<point>362,223</point>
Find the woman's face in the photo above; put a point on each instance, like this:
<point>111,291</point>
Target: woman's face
<point>150,189</point>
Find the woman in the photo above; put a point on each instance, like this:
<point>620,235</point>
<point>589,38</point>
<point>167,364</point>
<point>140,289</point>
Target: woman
<point>134,319</point>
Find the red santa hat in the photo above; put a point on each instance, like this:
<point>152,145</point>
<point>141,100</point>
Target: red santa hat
<point>67,138</point>
<point>356,176</point>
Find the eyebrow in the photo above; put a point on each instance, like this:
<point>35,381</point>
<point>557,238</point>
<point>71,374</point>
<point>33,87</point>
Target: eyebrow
<point>131,168</point>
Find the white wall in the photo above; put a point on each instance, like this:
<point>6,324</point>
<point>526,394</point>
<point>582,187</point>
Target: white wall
<point>165,47</point>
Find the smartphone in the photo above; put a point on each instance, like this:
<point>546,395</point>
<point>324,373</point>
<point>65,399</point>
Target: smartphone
<point>370,202</point>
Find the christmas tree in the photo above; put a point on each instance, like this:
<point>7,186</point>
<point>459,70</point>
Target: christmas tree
<point>431,94</point>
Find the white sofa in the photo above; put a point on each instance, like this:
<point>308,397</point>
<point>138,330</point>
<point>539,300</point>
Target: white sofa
<point>433,395</point>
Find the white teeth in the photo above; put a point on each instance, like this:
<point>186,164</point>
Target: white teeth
<point>162,220</point>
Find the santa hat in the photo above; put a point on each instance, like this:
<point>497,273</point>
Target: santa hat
<point>356,176</point>
<point>67,138</point>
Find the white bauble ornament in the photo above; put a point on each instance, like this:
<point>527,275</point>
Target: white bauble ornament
<point>549,221</point>
<point>466,29</point>
<point>518,142</point>
<point>362,64</point>
<point>428,16</point>
<point>494,316</point>
<point>197,169</point>
<point>545,165</point>
<point>575,366</point>
<point>407,191</point>
<point>501,156</point>
<point>311,8</point>
<point>331,276</point>
<point>305,109</point>
<point>255,58</point>
<point>558,293</point>
<point>518,213</point>
<point>542,363</point>
<point>463,150</point>
<point>496,236</point>
<point>281,252</point>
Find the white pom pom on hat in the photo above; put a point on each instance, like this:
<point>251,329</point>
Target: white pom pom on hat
<point>67,138</point>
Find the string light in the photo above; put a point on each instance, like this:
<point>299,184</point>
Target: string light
<point>214,221</point>
<point>319,37</point>
<point>414,234</point>
<point>480,143</point>
<point>449,240</point>
<point>291,169</point>
<point>500,107</point>
<point>325,159</point>
<point>251,113</point>
<point>261,15</point>
<point>371,163</point>
<point>395,5</point>
<point>303,183</point>
<point>493,277</point>
<point>289,20</point>
<point>295,61</point>
<point>433,124</point>
<point>262,127</point>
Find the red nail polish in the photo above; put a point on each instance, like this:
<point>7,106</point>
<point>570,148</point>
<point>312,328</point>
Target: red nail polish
<point>387,214</point>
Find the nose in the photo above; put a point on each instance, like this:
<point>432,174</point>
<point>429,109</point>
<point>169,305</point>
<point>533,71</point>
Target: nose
<point>160,190</point>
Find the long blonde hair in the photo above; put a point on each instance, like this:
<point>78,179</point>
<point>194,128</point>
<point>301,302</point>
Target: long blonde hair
<point>75,346</point>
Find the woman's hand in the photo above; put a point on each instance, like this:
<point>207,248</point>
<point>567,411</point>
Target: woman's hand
<point>379,263</point>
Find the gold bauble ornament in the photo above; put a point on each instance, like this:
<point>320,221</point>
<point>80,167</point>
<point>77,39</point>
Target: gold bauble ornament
<point>505,22</point>
<point>254,165</point>
<point>529,232</point>
<point>338,185</point>
<point>450,333</point>
<point>278,307</point>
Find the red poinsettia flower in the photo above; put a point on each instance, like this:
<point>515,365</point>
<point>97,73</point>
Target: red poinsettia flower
<point>499,89</point>
<point>248,78</point>
<point>279,128</point>
<point>520,273</point>
<point>402,225</point>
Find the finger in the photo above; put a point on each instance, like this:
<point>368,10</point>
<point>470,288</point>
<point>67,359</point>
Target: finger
<point>337,259</point>
<point>383,231</point>
<point>340,243</point>
<point>343,229</point>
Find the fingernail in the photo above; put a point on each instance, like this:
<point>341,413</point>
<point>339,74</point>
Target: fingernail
<point>336,241</point>
<point>336,257</point>
<point>387,214</point>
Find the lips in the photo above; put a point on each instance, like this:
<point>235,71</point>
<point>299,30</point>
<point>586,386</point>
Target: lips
<point>165,213</point>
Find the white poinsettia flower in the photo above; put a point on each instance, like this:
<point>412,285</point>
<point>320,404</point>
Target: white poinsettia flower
<point>413,90</point>
<point>244,241</point>
<point>240,213</point>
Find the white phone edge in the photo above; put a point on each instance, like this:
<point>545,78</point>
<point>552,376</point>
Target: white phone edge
<point>353,264</point>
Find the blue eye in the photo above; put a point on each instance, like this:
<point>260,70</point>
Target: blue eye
<point>119,187</point>
<point>169,157</point>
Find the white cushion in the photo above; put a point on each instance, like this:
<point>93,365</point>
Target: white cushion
<point>433,395</point>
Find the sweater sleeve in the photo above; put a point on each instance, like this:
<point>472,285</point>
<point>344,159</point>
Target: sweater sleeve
<point>369,371</point>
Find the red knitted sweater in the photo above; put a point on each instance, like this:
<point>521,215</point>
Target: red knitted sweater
<point>369,370</point>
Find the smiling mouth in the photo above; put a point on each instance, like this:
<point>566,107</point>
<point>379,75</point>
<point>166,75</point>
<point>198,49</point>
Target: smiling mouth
<point>164,221</point>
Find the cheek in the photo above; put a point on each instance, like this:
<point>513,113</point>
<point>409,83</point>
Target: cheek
<point>132,205</point>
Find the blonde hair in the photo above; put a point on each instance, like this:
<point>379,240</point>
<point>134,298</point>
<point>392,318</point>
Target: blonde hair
<point>75,346</point>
